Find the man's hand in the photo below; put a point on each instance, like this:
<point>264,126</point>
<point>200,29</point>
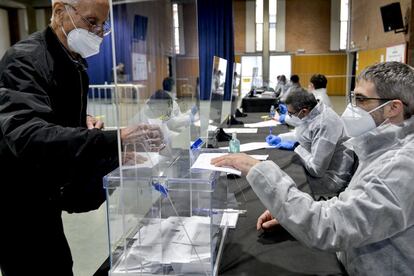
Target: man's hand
<point>266,221</point>
<point>276,117</point>
<point>132,158</point>
<point>93,122</point>
<point>239,161</point>
<point>144,136</point>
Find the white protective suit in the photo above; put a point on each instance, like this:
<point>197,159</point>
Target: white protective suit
<point>371,223</point>
<point>328,162</point>
<point>322,96</point>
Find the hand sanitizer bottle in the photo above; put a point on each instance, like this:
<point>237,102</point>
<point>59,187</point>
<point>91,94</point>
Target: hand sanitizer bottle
<point>272,112</point>
<point>234,145</point>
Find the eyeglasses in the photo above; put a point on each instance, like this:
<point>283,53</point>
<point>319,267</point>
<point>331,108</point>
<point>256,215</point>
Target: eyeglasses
<point>356,100</point>
<point>101,30</point>
<point>294,113</point>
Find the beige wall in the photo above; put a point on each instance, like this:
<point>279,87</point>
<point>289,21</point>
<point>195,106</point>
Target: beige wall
<point>367,31</point>
<point>187,64</point>
<point>308,25</point>
<point>239,15</point>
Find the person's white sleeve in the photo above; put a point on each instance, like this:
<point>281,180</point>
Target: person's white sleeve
<point>176,109</point>
<point>288,136</point>
<point>323,148</point>
<point>358,217</point>
<point>177,123</point>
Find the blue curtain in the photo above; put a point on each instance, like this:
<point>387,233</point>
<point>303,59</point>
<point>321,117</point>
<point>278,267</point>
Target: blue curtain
<point>140,27</point>
<point>216,38</point>
<point>100,67</point>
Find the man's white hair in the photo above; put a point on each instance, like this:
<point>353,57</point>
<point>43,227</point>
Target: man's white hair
<point>71,2</point>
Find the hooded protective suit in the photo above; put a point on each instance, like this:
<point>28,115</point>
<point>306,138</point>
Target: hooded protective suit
<point>370,224</point>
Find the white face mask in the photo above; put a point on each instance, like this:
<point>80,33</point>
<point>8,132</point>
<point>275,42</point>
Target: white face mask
<point>295,120</point>
<point>83,42</point>
<point>358,121</point>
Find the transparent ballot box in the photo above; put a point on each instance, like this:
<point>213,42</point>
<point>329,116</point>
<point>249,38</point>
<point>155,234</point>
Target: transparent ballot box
<point>166,220</point>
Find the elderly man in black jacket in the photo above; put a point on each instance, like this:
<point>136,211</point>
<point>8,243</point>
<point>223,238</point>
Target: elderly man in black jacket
<point>52,158</point>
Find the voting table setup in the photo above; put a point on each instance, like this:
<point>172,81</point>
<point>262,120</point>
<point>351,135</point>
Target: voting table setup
<point>169,211</point>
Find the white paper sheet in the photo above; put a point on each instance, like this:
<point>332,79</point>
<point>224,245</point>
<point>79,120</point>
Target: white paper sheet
<point>252,146</point>
<point>240,130</point>
<point>204,162</point>
<point>212,128</point>
<point>198,123</point>
<point>229,219</point>
<point>269,123</point>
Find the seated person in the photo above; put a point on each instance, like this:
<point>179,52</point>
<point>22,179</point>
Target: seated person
<point>320,133</point>
<point>280,86</point>
<point>168,85</point>
<point>159,110</point>
<point>283,116</point>
<point>371,224</point>
<point>294,84</point>
<point>317,87</point>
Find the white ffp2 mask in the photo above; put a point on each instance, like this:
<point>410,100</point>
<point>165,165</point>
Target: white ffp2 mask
<point>83,42</point>
<point>357,121</point>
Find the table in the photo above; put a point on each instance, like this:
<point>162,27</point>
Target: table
<point>260,103</point>
<point>248,252</point>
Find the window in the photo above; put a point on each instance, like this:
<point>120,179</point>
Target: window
<point>272,24</point>
<point>343,31</point>
<point>178,30</point>
<point>279,65</point>
<point>251,73</point>
<point>259,25</point>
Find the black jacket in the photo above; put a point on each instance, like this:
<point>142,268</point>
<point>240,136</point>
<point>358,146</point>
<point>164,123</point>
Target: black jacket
<point>49,160</point>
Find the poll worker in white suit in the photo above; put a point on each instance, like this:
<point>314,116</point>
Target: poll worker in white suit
<point>371,224</point>
<point>320,133</point>
<point>317,87</point>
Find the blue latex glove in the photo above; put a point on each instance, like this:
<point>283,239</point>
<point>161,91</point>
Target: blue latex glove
<point>282,118</point>
<point>282,108</point>
<point>194,110</point>
<point>286,145</point>
<point>273,140</point>
<point>160,188</point>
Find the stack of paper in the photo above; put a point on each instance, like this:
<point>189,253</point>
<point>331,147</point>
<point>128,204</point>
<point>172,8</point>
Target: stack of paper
<point>182,242</point>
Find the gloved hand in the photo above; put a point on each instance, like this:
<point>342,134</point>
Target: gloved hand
<point>287,145</point>
<point>282,118</point>
<point>194,110</point>
<point>282,108</point>
<point>273,140</point>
